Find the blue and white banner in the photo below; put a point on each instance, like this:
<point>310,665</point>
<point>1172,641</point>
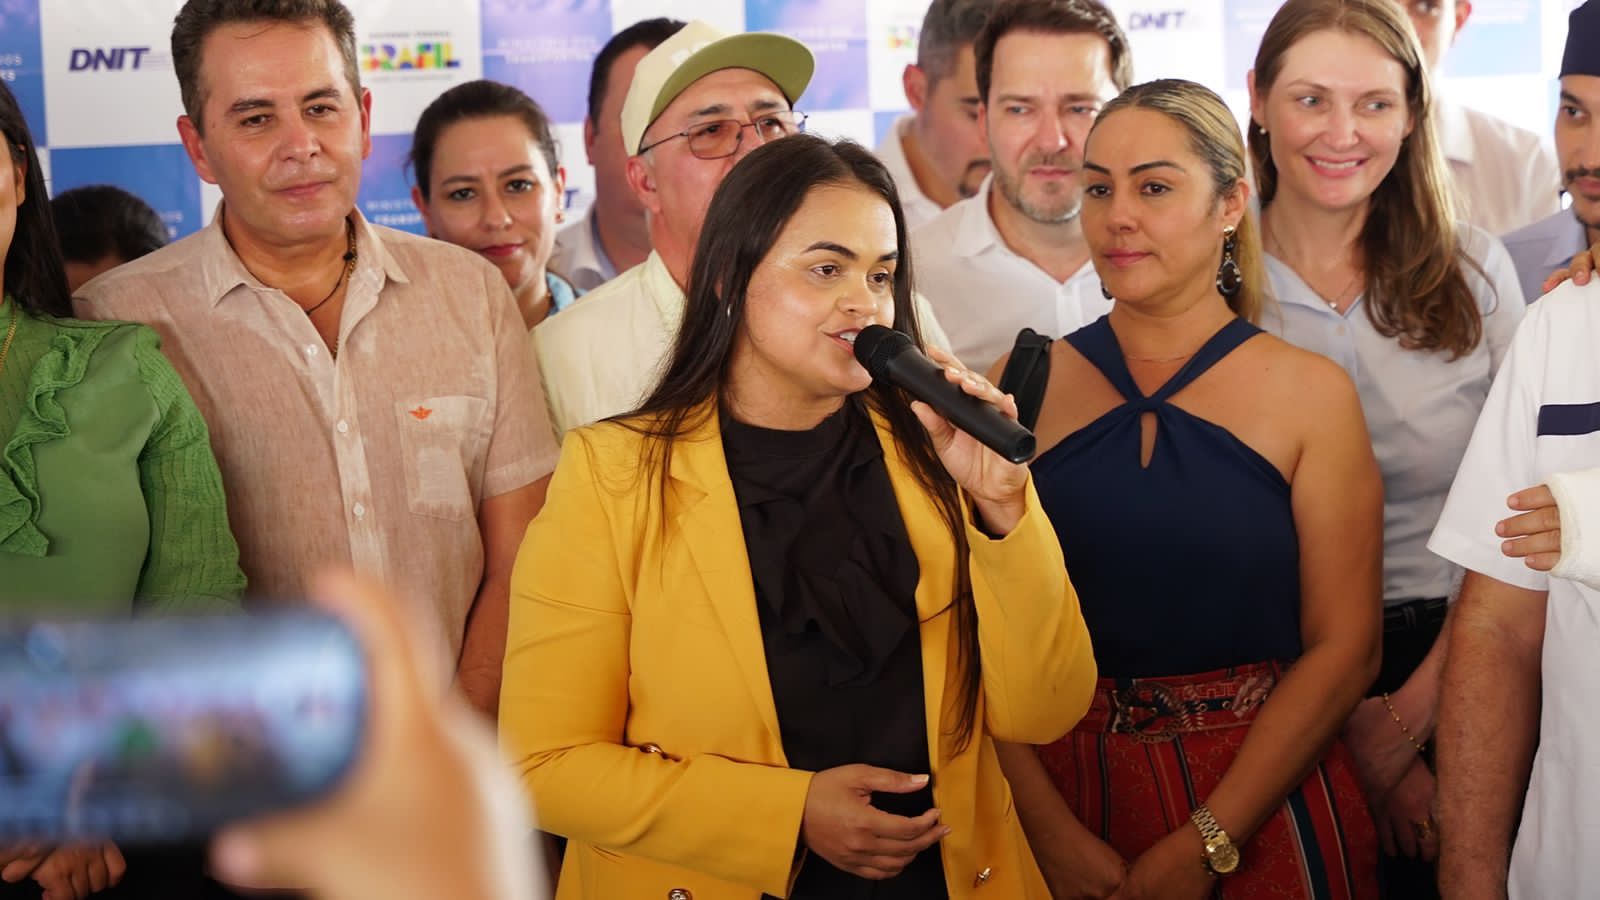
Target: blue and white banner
<point>22,61</point>
<point>96,83</point>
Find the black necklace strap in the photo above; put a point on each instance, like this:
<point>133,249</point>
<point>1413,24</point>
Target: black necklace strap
<point>349,266</point>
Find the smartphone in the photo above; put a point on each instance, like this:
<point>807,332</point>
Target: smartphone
<point>161,730</point>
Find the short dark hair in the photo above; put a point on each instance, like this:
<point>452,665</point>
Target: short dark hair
<point>102,220</point>
<point>35,277</point>
<point>479,99</point>
<point>1052,17</point>
<point>199,18</point>
<point>647,33</point>
<point>949,26</point>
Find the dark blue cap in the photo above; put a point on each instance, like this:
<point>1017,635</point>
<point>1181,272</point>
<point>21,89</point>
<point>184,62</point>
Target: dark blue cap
<point>1582,56</point>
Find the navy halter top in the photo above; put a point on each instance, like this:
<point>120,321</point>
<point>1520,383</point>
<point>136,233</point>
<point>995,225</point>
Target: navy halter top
<point>1189,564</point>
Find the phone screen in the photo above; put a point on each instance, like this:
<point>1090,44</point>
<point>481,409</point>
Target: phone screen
<point>164,729</point>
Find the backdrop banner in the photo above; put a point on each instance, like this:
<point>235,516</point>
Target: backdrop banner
<point>96,82</point>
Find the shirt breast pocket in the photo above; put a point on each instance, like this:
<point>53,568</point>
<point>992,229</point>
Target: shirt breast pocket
<point>441,442</point>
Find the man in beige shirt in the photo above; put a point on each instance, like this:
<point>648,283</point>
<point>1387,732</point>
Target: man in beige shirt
<point>369,393</point>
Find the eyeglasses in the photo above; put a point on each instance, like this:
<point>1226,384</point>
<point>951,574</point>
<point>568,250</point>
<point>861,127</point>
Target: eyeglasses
<point>721,138</point>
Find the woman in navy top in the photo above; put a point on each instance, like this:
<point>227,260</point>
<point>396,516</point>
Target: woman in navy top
<point>1219,508</point>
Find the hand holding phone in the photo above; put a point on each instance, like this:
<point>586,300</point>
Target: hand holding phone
<point>163,729</point>
<point>430,808</point>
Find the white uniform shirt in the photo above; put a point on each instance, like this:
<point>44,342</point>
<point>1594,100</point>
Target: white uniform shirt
<point>579,256</point>
<point>602,356</point>
<point>984,292</point>
<point>918,209</point>
<point>1420,406</point>
<point>1543,417</point>
<point>1506,177</point>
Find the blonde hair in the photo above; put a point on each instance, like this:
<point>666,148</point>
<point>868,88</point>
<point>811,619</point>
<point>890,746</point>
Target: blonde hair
<point>1416,286</point>
<point>1214,137</point>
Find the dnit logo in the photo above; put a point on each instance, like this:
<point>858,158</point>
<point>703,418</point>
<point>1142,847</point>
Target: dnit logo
<point>110,59</point>
<point>408,57</point>
<point>1162,20</point>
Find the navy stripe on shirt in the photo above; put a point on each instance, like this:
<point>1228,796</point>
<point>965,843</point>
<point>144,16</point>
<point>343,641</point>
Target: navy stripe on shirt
<point>1569,418</point>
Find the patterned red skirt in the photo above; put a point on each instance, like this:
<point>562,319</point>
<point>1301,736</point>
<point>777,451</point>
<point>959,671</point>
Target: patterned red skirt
<point>1151,749</point>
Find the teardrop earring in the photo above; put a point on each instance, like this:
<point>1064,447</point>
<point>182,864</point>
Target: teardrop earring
<point>1229,278</point>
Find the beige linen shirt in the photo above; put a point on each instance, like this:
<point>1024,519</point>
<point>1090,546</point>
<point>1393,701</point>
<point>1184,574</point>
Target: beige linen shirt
<point>378,458</point>
<point>603,355</point>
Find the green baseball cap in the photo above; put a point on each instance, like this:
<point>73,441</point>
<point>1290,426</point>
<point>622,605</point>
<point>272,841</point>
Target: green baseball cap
<point>697,50</point>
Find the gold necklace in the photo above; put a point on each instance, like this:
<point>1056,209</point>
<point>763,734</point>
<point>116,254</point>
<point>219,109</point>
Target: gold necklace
<point>11,334</point>
<point>1337,298</point>
<point>1158,359</point>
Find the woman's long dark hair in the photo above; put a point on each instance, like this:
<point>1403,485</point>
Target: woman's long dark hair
<point>36,278</point>
<point>749,212</point>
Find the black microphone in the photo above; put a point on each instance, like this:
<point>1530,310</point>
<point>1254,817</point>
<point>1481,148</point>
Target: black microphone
<point>890,356</point>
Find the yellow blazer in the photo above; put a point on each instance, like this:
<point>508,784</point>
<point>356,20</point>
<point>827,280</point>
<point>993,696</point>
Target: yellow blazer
<point>637,708</point>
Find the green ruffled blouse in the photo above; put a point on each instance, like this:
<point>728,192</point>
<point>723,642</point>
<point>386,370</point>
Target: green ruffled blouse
<point>110,498</point>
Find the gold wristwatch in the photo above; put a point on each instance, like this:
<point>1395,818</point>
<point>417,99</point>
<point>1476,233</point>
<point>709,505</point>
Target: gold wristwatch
<point>1221,856</point>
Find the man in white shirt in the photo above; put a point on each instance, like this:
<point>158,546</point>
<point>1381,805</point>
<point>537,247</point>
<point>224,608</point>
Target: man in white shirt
<point>1505,176</point>
<point>1014,256</point>
<point>937,153</point>
<point>1517,704</point>
<point>611,236</point>
<point>1550,243</point>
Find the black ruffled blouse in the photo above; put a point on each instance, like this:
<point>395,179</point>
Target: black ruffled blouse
<point>836,579</point>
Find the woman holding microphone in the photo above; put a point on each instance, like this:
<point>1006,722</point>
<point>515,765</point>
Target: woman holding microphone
<point>769,626</point>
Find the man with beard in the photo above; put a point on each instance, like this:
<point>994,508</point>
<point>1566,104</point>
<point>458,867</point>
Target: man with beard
<point>1013,256</point>
<point>937,153</point>
<point>1551,242</point>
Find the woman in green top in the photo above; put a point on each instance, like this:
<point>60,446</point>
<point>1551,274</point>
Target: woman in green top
<point>110,500</point>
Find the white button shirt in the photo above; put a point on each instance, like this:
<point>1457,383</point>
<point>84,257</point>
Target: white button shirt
<point>1420,407</point>
<point>984,292</point>
<point>579,256</point>
<point>918,209</point>
<point>1505,176</point>
<point>603,355</point>
<point>1543,417</point>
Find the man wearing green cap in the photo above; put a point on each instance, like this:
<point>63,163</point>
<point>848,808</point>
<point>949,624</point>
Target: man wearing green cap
<point>698,104</point>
